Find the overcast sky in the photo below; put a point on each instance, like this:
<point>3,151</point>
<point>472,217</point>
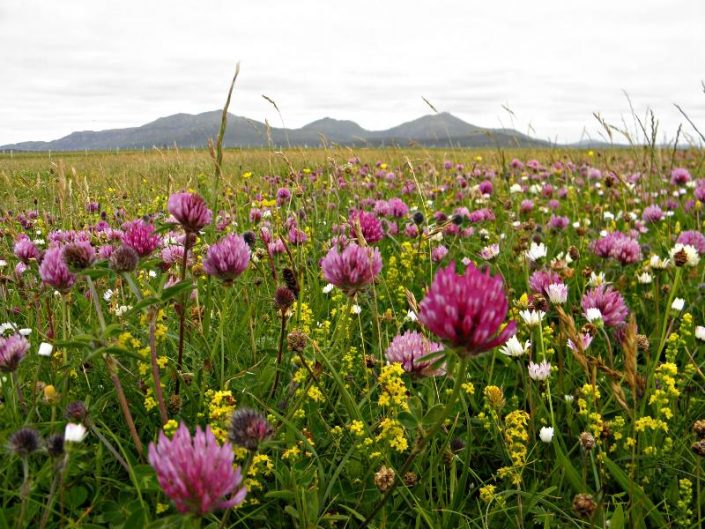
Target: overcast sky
<point>92,64</point>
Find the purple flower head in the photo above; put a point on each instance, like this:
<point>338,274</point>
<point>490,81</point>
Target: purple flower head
<point>618,246</point>
<point>694,239</point>
<point>196,472</point>
<point>652,213</point>
<point>25,249</point>
<point>173,254</point>
<point>12,351</point>
<point>558,223</point>
<point>680,176</point>
<point>140,236</point>
<point>410,349</point>
<point>54,271</point>
<point>190,210</point>
<point>352,268</point>
<point>397,207</point>
<point>485,187</point>
<point>228,258</point>
<point>539,280</point>
<point>609,302</point>
<point>283,196</point>
<point>526,205</point>
<point>467,311</point>
<point>370,226</point>
<point>439,253</point>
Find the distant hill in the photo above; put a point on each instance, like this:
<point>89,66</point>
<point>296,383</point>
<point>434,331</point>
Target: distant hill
<point>189,130</point>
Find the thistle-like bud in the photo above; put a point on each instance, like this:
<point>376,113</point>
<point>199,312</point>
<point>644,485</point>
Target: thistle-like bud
<point>24,442</point>
<point>76,411</point>
<point>291,282</point>
<point>248,428</point>
<point>124,259</point>
<point>284,298</point>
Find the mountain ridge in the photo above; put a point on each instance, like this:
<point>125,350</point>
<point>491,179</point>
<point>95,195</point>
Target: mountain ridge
<point>194,130</point>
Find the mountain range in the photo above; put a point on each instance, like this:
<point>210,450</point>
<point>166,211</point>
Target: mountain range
<point>194,130</point>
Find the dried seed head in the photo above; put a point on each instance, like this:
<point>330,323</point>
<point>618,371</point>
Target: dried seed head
<point>642,342</point>
<point>699,428</point>
<point>384,478</point>
<point>584,505</point>
<point>410,479</point>
<point>297,340</point>
<point>699,447</point>
<point>680,258</point>
<point>175,403</point>
<point>587,441</point>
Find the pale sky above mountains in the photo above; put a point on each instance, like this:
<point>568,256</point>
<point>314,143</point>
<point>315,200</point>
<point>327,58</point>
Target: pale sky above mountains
<point>87,64</point>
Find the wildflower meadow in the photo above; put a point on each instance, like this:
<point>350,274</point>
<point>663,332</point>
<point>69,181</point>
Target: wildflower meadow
<point>351,338</point>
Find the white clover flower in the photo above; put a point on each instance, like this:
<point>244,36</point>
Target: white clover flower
<point>75,433</point>
<point>45,349</point>
<point>656,263</point>
<point>532,318</point>
<point>700,333</point>
<point>25,332</point>
<point>328,288</point>
<point>516,188</point>
<point>411,316</point>
<point>678,304</point>
<point>692,257</point>
<point>597,279</point>
<point>557,293</point>
<point>356,309</point>
<point>593,315</point>
<point>644,278</point>
<point>536,251</point>
<point>108,294</point>
<point>7,326</point>
<point>513,347</point>
<point>122,310</point>
<point>3,263</point>
<point>546,434</point>
<point>569,398</point>
<point>539,371</point>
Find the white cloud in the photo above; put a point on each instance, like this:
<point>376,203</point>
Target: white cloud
<point>92,65</point>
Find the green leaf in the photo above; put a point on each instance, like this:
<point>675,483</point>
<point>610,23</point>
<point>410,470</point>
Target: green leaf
<point>76,496</point>
<point>569,470</point>
<point>433,415</point>
<point>617,520</point>
<point>636,493</point>
<point>175,290</point>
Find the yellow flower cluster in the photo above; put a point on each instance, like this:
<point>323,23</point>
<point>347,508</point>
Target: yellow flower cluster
<point>220,407</point>
<point>516,438</point>
<point>393,389</point>
<point>392,431</point>
<point>589,395</point>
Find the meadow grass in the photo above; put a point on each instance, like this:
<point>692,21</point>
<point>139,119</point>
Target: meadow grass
<point>357,440</point>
